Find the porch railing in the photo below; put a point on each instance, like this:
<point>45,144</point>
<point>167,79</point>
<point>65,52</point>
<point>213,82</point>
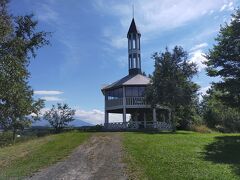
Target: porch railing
<point>135,101</point>
<point>130,102</point>
<point>114,102</point>
<point>133,125</point>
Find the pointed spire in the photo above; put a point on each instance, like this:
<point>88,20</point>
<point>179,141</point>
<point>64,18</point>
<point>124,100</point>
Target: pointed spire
<point>133,28</point>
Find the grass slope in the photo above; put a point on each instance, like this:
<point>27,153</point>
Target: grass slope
<point>25,158</point>
<point>183,155</point>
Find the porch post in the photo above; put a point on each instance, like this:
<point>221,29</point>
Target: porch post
<point>145,118</point>
<point>169,116</point>
<point>124,108</point>
<point>106,119</point>
<point>154,117</point>
<point>106,113</point>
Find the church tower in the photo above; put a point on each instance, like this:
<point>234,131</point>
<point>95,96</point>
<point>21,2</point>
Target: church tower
<point>134,52</point>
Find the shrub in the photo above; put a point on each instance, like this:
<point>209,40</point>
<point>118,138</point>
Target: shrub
<point>5,138</point>
<point>200,128</point>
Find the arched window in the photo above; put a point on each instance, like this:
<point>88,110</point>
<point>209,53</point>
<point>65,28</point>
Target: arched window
<point>134,62</point>
<point>134,43</point>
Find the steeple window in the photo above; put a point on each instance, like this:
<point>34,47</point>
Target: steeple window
<point>134,62</point>
<point>134,43</point>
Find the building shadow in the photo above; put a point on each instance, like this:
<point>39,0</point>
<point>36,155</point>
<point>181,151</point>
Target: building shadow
<point>225,150</point>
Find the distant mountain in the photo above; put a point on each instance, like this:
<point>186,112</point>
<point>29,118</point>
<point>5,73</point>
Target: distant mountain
<point>75,123</point>
<point>79,123</point>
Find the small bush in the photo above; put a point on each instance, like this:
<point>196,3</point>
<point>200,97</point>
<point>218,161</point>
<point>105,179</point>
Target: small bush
<point>5,138</point>
<point>200,128</point>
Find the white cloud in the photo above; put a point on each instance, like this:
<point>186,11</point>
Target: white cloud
<point>199,46</point>
<point>113,39</point>
<point>49,95</point>
<point>51,98</point>
<point>198,58</point>
<point>93,116</point>
<point>154,17</point>
<point>45,92</point>
<point>96,116</point>
<point>223,7</point>
<point>46,13</point>
<point>227,6</point>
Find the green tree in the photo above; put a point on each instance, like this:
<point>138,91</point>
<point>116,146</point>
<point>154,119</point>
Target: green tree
<point>19,41</point>
<point>171,81</point>
<point>224,61</point>
<point>59,116</point>
<point>217,115</point>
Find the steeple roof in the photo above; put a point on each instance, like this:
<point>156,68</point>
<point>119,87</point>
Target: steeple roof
<point>133,28</point>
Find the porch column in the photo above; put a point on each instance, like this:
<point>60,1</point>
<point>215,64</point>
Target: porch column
<point>169,115</point>
<point>145,118</point>
<point>154,117</point>
<point>124,108</point>
<point>106,113</point>
<point>106,119</point>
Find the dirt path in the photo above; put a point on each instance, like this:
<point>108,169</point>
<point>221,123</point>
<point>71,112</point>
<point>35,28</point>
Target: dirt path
<point>99,158</point>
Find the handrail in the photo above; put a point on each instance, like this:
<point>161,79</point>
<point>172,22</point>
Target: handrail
<point>130,101</point>
<point>114,102</point>
<point>136,124</point>
<point>138,101</point>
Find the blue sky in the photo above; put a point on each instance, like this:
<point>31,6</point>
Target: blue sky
<point>89,45</point>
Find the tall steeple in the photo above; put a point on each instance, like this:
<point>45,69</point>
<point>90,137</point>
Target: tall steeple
<point>134,52</point>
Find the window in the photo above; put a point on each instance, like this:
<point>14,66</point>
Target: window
<point>134,62</point>
<point>129,44</point>
<point>134,43</point>
<point>130,61</point>
<point>131,91</point>
<point>135,91</point>
<point>115,94</point>
<point>141,91</point>
<point>139,61</point>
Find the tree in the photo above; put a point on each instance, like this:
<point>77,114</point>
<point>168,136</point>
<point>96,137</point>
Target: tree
<point>19,41</point>
<point>217,115</point>
<point>59,116</point>
<point>171,83</point>
<point>224,61</point>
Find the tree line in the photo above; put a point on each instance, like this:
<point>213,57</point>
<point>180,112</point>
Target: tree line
<point>172,85</point>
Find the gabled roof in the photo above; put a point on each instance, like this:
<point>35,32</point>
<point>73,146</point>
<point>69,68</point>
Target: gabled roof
<point>133,28</point>
<point>129,80</point>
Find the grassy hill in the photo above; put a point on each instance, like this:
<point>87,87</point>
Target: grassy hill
<point>183,155</point>
<point>180,155</point>
<point>24,158</point>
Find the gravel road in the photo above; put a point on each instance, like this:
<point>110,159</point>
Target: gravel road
<point>97,159</point>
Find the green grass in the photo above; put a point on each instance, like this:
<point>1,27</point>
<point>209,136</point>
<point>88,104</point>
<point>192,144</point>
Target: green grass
<point>25,158</point>
<point>183,155</point>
